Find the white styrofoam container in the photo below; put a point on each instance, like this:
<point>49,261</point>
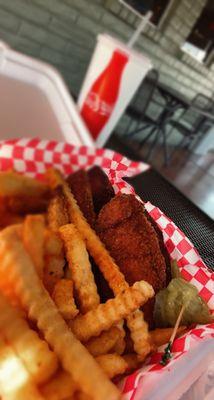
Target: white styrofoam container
<point>35,102</point>
<point>190,378</point>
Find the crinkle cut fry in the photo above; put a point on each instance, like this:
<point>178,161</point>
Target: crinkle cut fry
<point>14,184</point>
<point>79,396</point>
<point>9,293</point>
<point>39,360</point>
<point>104,261</point>
<point>120,344</point>
<point>63,298</point>
<point>84,282</point>
<point>160,336</point>
<point>53,271</point>
<point>112,364</point>
<point>107,314</point>
<point>132,361</point>
<point>53,243</point>
<point>74,357</point>
<point>80,267</point>
<point>102,344</point>
<point>60,387</point>
<point>15,382</point>
<point>140,334</point>
<point>82,275</point>
<point>85,286</point>
<point>54,260</point>
<point>34,227</point>
<point>57,212</point>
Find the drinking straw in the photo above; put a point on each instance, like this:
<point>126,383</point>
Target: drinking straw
<point>140,28</point>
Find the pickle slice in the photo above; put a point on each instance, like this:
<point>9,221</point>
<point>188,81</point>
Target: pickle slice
<point>168,303</point>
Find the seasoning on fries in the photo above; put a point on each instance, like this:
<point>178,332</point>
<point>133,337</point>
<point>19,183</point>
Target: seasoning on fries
<point>80,268</point>
<point>57,211</point>
<point>54,261</point>
<point>103,343</point>
<point>105,315</point>
<point>120,344</point>
<point>112,364</point>
<point>64,300</point>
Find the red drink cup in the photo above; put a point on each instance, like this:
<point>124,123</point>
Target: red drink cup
<point>113,76</point>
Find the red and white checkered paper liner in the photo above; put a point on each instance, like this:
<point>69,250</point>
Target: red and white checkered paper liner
<point>33,156</point>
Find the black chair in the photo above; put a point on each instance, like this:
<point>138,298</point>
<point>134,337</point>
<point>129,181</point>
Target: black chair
<point>156,121</point>
<point>191,124</point>
<point>139,105</point>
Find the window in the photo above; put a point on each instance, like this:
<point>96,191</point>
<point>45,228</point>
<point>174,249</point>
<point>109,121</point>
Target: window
<point>200,42</point>
<point>158,7</point>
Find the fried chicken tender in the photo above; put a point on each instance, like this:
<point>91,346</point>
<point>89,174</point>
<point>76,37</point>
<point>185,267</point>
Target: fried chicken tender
<point>133,243</point>
<point>102,190</point>
<point>162,247</point>
<point>81,189</point>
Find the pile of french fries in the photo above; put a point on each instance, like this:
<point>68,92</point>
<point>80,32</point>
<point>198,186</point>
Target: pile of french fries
<point>57,340</point>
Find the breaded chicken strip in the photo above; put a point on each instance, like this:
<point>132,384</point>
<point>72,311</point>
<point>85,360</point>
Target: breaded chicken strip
<point>133,242</point>
<point>102,190</point>
<point>81,189</point>
<point>162,247</point>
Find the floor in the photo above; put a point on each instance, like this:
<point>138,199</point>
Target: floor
<point>192,174</point>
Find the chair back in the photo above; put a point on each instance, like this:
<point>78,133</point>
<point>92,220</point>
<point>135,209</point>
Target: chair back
<point>192,117</point>
<point>145,92</point>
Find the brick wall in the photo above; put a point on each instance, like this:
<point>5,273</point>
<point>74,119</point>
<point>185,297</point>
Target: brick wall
<point>63,33</point>
<point>163,47</point>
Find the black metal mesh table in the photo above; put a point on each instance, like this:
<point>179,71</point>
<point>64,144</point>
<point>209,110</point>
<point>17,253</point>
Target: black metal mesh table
<point>197,226</point>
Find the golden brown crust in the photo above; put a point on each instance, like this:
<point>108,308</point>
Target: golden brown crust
<point>133,243</point>
<point>102,190</point>
<point>81,189</point>
<point>119,209</point>
<point>162,246</point>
